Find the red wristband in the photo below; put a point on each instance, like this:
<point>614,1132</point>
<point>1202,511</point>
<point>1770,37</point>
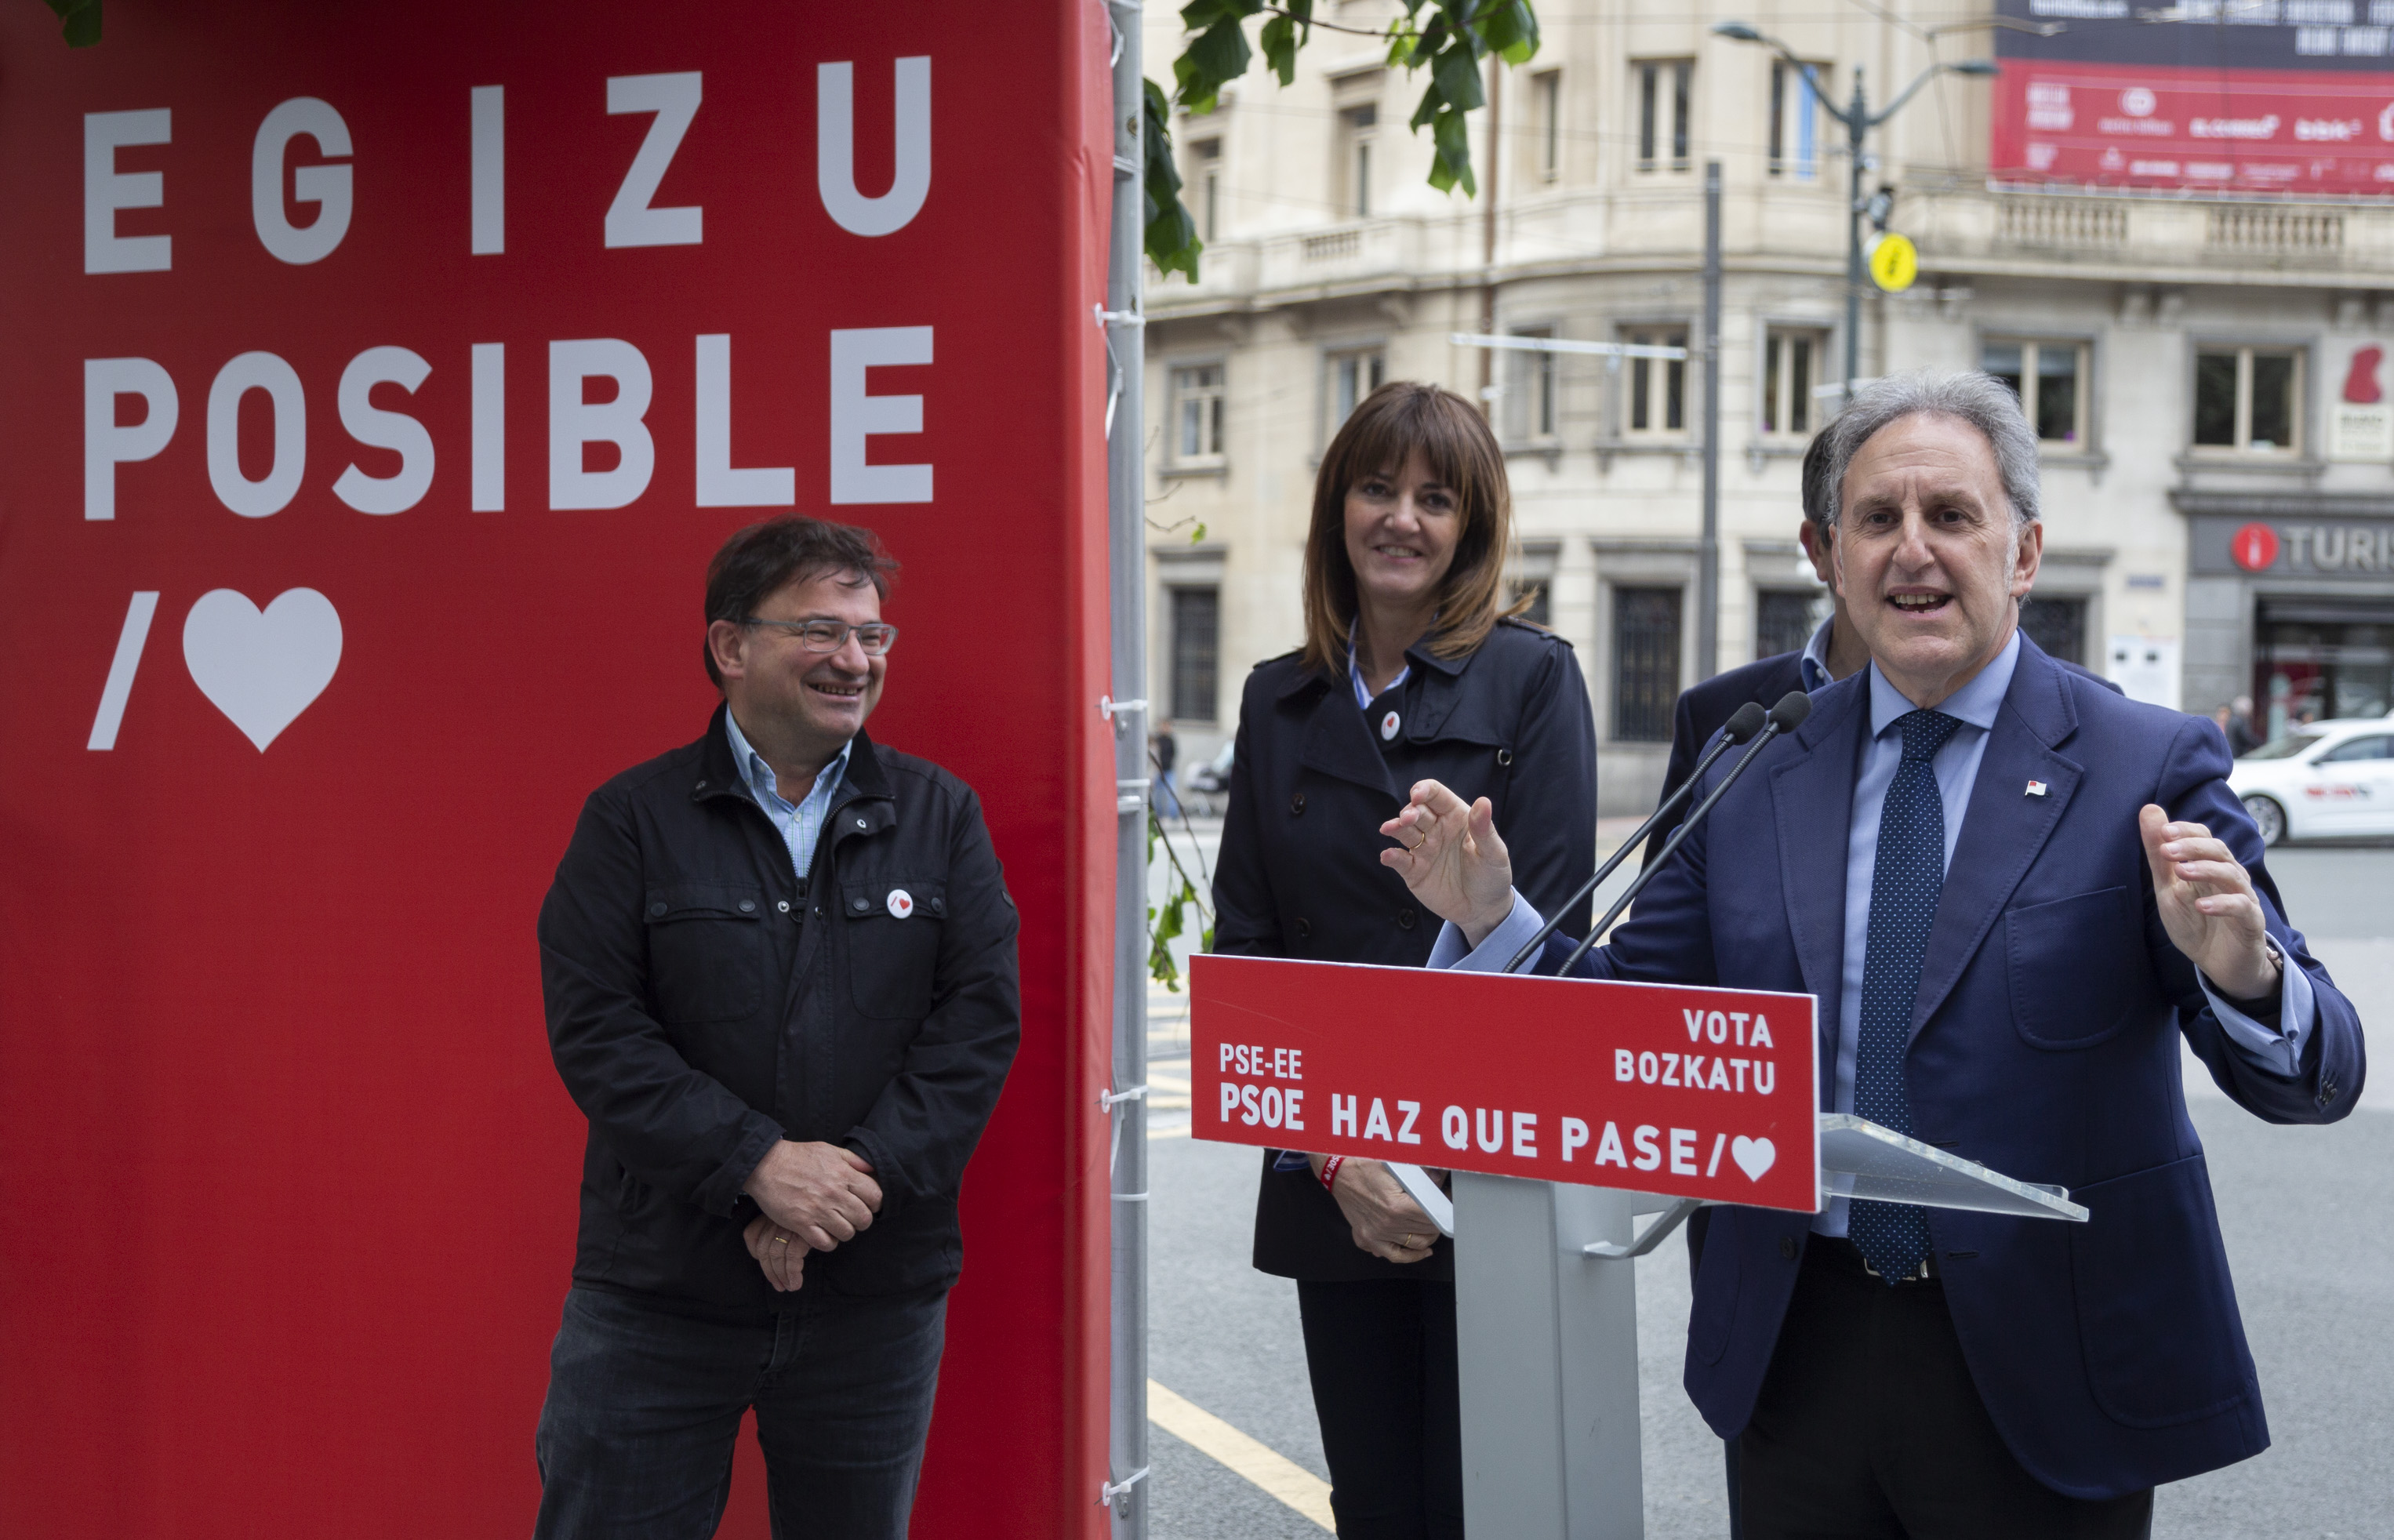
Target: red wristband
<point>1330,1170</point>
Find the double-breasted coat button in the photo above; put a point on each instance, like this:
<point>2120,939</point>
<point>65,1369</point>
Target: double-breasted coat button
<point>1503,757</point>
<point>1787,1248</point>
<point>784,906</point>
<point>747,906</point>
<point>656,911</point>
<point>1389,725</point>
<point>1296,805</point>
<point>861,905</point>
<point>860,824</point>
<point>1404,919</point>
<point>1304,929</point>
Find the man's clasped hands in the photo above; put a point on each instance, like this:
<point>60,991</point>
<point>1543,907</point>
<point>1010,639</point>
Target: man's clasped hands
<point>814,1196</point>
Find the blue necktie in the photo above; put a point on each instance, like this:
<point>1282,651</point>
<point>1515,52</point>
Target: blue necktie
<point>1905,884</point>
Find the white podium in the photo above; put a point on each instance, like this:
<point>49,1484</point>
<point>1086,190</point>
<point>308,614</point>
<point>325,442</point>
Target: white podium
<point>1546,1322</point>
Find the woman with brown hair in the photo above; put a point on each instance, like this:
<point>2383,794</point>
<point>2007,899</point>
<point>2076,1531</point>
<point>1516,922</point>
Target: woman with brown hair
<point>1413,668</point>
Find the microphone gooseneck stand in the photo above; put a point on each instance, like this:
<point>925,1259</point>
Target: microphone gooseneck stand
<point>1745,724</point>
<point>1786,717</point>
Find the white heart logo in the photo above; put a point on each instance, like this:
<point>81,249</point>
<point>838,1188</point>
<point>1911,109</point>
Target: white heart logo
<point>1754,1156</point>
<point>262,669</point>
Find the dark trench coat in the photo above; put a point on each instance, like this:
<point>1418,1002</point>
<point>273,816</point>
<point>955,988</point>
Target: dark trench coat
<point>1313,779</point>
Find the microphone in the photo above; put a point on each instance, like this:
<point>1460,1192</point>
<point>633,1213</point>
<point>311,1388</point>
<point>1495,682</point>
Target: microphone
<point>1786,717</point>
<point>1747,722</point>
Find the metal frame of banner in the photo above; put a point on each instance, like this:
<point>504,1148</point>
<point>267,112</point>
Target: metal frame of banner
<point>1124,1493</point>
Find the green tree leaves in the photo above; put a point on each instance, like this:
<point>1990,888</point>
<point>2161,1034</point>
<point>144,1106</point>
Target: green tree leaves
<point>1447,38</point>
<point>1171,233</point>
<point>1168,922</point>
<point>81,19</point>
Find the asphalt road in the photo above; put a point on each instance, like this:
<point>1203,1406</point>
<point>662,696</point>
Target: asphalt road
<point>2308,1214</point>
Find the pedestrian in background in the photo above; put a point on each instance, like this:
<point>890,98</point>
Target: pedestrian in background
<point>779,971</point>
<point>1168,753</point>
<point>2242,738</point>
<point>1413,668</point>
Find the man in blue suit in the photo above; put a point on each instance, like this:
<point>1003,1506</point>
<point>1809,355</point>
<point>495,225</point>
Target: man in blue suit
<point>2013,890</point>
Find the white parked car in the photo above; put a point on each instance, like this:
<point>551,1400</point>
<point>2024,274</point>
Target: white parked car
<point>2327,779</point>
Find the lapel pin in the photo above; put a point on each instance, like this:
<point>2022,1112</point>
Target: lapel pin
<point>2036,788</point>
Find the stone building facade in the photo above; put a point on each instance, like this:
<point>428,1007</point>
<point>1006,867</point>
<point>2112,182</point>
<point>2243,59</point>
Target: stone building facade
<point>2191,362</point>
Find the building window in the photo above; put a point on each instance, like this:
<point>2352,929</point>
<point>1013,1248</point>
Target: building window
<point>1529,393</point>
<point>1645,664</point>
<point>2315,657</point>
<point>2057,625</point>
<point>2248,399</point>
<point>1791,366</point>
<point>2050,380</point>
<point>1196,630</point>
<point>1197,414</point>
<point>1782,622</point>
<point>1658,388</point>
<point>1541,611</point>
<point>1794,121</point>
<point>1663,111</point>
<point>1354,375</point>
<point>1205,156</point>
<point>1355,128</point>
<point>1546,93</point>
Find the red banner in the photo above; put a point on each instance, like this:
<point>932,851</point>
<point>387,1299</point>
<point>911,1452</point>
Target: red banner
<point>1692,1093</point>
<point>2228,130</point>
<point>379,380</point>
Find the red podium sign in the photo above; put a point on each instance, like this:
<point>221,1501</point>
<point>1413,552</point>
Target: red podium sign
<point>1691,1092</point>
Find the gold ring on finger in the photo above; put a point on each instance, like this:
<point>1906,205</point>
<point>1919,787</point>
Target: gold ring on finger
<point>780,1240</point>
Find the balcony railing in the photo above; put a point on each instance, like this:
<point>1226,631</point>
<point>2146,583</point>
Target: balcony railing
<point>2066,224</point>
<point>2275,232</point>
<point>1334,246</point>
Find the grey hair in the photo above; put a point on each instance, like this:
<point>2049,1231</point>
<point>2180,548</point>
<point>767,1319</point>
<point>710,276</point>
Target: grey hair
<point>1968,396</point>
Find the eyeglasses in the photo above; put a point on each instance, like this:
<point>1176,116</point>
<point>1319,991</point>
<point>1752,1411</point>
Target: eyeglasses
<point>830,635</point>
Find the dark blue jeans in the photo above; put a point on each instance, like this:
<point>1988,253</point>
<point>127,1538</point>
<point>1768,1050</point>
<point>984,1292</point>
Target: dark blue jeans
<point>644,1408</point>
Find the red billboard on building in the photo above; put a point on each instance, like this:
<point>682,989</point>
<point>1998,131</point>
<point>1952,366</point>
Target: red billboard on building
<point>2228,96</point>
<point>379,380</point>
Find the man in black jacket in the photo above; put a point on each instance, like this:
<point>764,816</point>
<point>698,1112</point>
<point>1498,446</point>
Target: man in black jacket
<point>779,972</point>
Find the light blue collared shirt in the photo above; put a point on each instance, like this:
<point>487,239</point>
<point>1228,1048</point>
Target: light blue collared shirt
<point>1363,696</point>
<point>1976,705</point>
<point>801,824</point>
<point>1812,668</point>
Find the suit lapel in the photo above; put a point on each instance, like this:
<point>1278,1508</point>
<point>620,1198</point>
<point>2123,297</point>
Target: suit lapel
<point>1338,742</point>
<point>2005,827</point>
<point>1813,804</point>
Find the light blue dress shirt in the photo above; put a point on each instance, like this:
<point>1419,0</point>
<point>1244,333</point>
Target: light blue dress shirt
<point>1976,705</point>
<point>1812,668</point>
<point>801,824</point>
<point>1363,696</point>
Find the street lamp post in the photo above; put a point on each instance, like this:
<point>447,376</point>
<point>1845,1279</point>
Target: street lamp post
<point>1858,120</point>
